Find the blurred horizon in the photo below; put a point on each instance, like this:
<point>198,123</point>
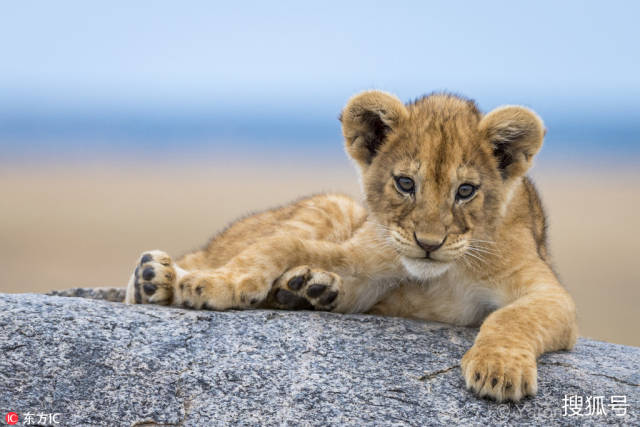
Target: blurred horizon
<point>43,133</point>
<point>81,79</point>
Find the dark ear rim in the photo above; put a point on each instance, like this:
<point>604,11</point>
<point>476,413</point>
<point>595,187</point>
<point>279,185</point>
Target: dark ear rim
<point>516,134</point>
<point>366,121</point>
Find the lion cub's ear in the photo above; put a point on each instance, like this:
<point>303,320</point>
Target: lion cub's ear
<point>516,134</point>
<point>366,120</point>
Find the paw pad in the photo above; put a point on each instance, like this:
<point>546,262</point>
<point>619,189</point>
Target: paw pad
<point>303,288</point>
<point>153,279</point>
<point>149,288</point>
<point>296,282</point>
<point>145,259</point>
<point>292,301</point>
<point>148,273</point>
<point>314,291</point>
<point>329,298</point>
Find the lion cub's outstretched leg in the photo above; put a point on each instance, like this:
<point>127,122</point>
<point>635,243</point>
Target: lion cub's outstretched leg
<point>247,280</point>
<point>155,281</point>
<point>259,276</point>
<point>158,280</point>
<point>277,272</point>
<point>282,271</point>
<point>240,266</point>
<point>299,288</point>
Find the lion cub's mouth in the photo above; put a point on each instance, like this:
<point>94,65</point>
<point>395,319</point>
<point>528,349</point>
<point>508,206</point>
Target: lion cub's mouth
<point>443,255</point>
<point>453,248</point>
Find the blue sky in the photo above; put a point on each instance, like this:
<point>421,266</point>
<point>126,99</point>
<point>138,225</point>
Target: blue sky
<point>574,59</point>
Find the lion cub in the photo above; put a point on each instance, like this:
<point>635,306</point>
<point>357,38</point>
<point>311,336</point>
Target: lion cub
<point>452,232</point>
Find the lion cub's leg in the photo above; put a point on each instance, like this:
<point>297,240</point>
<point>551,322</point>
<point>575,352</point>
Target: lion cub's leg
<point>299,288</point>
<point>541,318</point>
<point>253,278</point>
<point>158,280</point>
<point>247,279</point>
<point>216,289</point>
<point>305,288</point>
<point>153,279</point>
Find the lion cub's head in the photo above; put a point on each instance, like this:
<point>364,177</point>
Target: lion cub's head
<point>437,173</point>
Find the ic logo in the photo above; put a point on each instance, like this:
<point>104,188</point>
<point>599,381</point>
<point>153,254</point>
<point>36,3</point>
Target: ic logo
<point>11,418</point>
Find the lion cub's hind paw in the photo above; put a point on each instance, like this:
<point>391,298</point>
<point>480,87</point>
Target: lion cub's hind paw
<point>304,288</point>
<point>153,279</point>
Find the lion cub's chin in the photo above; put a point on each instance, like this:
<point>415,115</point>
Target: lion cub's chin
<point>424,268</point>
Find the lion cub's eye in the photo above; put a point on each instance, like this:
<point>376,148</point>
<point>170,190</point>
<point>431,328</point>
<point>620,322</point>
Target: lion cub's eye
<point>465,191</point>
<point>405,184</point>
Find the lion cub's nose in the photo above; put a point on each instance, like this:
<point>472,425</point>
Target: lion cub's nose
<point>429,243</point>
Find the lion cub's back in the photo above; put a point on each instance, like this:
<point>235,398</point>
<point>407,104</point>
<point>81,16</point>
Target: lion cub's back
<point>332,217</point>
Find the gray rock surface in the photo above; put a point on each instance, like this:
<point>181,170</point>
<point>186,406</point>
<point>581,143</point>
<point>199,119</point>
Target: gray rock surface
<point>107,294</point>
<point>104,363</point>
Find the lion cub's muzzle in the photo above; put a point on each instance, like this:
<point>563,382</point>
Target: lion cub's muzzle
<point>428,243</point>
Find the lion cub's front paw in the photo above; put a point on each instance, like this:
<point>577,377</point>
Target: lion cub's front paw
<point>304,288</point>
<point>208,290</point>
<point>500,373</point>
<point>153,279</point>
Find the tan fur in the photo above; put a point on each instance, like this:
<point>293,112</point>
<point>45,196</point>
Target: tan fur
<point>426,254</point>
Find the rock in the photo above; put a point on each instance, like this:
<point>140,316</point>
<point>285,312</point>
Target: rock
<point>107,294</point>
<point>105,363</point>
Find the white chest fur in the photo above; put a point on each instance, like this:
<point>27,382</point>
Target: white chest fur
<point>460,299</point>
